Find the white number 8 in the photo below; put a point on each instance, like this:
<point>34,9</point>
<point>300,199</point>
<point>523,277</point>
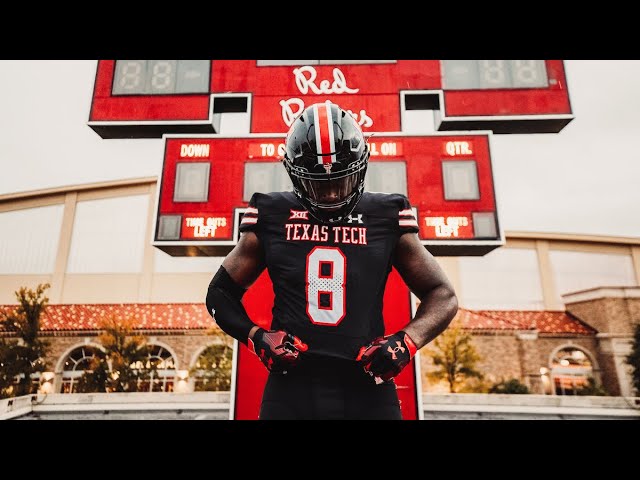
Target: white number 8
<point>161,78</point>
<point>326,278</point>
<point>526,71</point>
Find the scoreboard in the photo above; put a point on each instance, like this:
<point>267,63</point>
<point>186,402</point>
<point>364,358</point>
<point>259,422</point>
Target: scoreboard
<point>149,98</point>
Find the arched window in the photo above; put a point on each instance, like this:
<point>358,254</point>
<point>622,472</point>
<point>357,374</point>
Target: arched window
<point>163,378</point>
<point>75,365</point>
<point>212,370</point>
<point>571,370</point>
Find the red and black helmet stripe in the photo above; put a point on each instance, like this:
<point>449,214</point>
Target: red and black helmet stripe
<point>325,139</point>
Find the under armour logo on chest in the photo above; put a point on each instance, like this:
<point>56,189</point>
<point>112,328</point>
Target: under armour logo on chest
<point>357,218</point>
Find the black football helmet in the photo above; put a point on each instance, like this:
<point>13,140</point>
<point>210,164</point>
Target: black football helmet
<point>326,157</point>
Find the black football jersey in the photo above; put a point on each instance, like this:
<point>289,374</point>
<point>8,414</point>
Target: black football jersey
<point>329,279</point>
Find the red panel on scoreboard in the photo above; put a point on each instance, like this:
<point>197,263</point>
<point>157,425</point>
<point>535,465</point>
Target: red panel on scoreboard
<point>146,98</point>
<point>206,181</point>
<point>550,100</point>
<point>224,191</point>
<point>109,107</point>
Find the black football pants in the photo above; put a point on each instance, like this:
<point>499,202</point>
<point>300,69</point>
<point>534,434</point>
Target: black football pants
<point>328,390</point>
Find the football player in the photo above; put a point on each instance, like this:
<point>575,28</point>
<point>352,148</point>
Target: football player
<point>329,247</point>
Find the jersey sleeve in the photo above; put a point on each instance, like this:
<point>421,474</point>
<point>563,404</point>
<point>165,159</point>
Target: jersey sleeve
<point>407,221</point>
<point>250,219</point>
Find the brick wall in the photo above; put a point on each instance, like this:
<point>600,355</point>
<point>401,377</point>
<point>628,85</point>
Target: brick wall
<point>61,346</point>
<point>614,318</point>
<point>608,315</point>
<point>184,348</point>
<point>505,356</point>
<point>609,374</point>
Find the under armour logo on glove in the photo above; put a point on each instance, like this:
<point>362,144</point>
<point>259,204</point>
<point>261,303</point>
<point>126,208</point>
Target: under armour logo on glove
<point>385,357</point>
<point>393,351</point>
<point>276,349</point>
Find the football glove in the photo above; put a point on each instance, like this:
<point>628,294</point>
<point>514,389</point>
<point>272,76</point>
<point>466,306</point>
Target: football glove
<point>385,357</point>
<point>276,349</point>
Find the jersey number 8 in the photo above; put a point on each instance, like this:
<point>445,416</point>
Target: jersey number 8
<point>325,285</point>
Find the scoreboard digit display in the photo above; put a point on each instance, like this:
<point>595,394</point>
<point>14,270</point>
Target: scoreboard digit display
<point>149,98</point>
<point>161,77</point>
<point>207,182</point>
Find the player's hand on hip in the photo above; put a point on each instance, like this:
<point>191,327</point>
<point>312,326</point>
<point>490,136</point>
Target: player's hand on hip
<point>385,357</point>
<point>277,350</point>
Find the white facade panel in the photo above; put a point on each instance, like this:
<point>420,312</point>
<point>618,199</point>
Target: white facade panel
<point>574,271</point>
<point>29,240</point>
<point>109,235</point>
<point>504,279</point>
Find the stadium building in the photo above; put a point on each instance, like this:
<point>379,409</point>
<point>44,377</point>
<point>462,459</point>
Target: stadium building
<point>549,310</point>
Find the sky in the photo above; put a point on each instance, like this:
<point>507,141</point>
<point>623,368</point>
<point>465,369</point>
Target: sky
<point>583,180</point>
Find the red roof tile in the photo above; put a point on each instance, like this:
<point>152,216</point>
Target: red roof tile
<point>147,316</point>
<point>543,320</point>
<point>190,316</point>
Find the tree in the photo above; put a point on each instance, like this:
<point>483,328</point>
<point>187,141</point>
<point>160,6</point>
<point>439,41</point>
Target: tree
<point>592,388</point>
<point>454,357</point>
<point>513,385</point>
<point>212,370</point>
<point>633,359</point>
<point>22,355</point>
<point>96,379</point>
<point>125,363</point>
